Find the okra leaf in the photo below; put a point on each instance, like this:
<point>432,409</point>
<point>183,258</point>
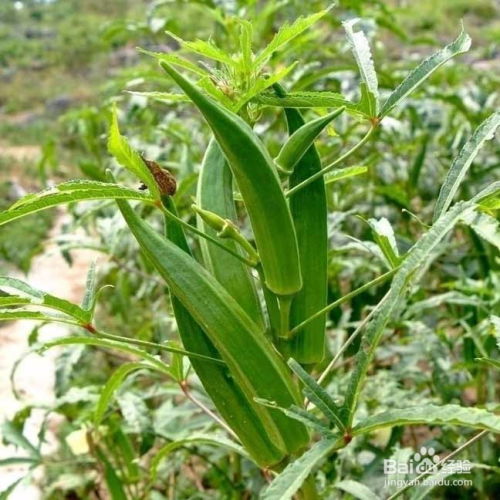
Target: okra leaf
<point>344,173</point>
<point>285,34</point>
<point>70,192</point>
<point>424,70</point>
<point>16,314</point>
<point>165,97</point>
<point>415,258</point>
<point>288,482</point>
<point>113,482</point>
<point>433,415</point>
<point>154,361</point>
<point>484,225</point>
<point>195,440</point>
<point>463,161</point>
<point>112,385</point>
<point>383,234</point>
<point>357,490</point>
<point>205,49</point>
<point>126,156</point>
<point>320,99</point>
<point>176,60</point>
<point>12,435</point>
<point>301,140</point>
<point>362,53</point>
<point>32,296</point>
<point>304,416</point>
<point>317,395</point>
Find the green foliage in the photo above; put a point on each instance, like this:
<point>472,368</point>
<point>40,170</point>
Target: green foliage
<point>341,253</point>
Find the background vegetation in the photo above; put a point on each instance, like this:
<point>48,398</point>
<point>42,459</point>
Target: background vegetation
<point>63,63</point>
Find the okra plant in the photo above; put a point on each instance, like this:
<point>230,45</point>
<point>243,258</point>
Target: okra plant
<point>251,306</point>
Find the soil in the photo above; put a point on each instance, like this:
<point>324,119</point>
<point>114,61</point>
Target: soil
<point>35,376</point>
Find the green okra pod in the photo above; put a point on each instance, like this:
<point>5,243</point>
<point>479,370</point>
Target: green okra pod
<point>252,361</point>
<point>302,139</point>
<point>260,188</point>
<point>234,406</point>
<point>309,213</point>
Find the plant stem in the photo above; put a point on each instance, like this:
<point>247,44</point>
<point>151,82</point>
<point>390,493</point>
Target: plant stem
<point>332,165</point>
<point>285,304</point>
<point>162,347</point>
<point>441,462</point>
<point>343,299</point>
<point>271,305</point>
<point>349,341</point>
<point>208,411</point>
<point>209,238</point>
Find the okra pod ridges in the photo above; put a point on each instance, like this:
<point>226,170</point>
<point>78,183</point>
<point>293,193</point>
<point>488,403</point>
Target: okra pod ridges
<point>260,187</point>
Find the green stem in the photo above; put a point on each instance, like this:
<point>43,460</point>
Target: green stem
<point>285,303</point>
<point>213,240</point>
<point>327,169</point>
<point>161,347</point>
<point>343,299</point>
<point>271,305</point>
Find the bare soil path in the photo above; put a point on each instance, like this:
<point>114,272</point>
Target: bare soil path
<point>35,377</point>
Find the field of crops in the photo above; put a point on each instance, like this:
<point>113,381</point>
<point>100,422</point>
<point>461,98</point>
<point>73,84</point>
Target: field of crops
<point>249,249</point>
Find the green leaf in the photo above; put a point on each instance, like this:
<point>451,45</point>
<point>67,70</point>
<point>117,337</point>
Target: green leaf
<point>5,494</point>
<point>288,482</point>
<point>431,415</point>
<point>344,173</point>
<point>176,60</point>
<point>321,99</point>
<point>205,49</point>
<point>111,386</point>
<point>385,239</point>
<point>154,361</point>
<point>418,255</point>
<point>39,298</point>
<point>194,439</point>
<point>285,34</point>
<point>16,314</point>
<point>484,225</point>
<point>357,490</point>
<point>463,161</point>
<point>119,147</point>
<point>317,395</point>
<point>164,97</point>
<point>70,192</point>
<point>362,53</point>
<point>490,362</point>
<point>135,413</point>
<point>424,70</point>
<point>113,482</point>
<point>301,140</point>
<point>11,434</point>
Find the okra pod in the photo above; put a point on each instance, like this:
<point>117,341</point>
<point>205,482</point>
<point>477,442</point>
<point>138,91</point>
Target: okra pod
<point>302,139</point>
<point>236,409</point>
<point>252,360</point>
<point>258,182</point>
<point>215,193</point>
<point>309,213</point>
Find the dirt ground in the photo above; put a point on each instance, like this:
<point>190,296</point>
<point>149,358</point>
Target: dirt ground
<point>35,377</point>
